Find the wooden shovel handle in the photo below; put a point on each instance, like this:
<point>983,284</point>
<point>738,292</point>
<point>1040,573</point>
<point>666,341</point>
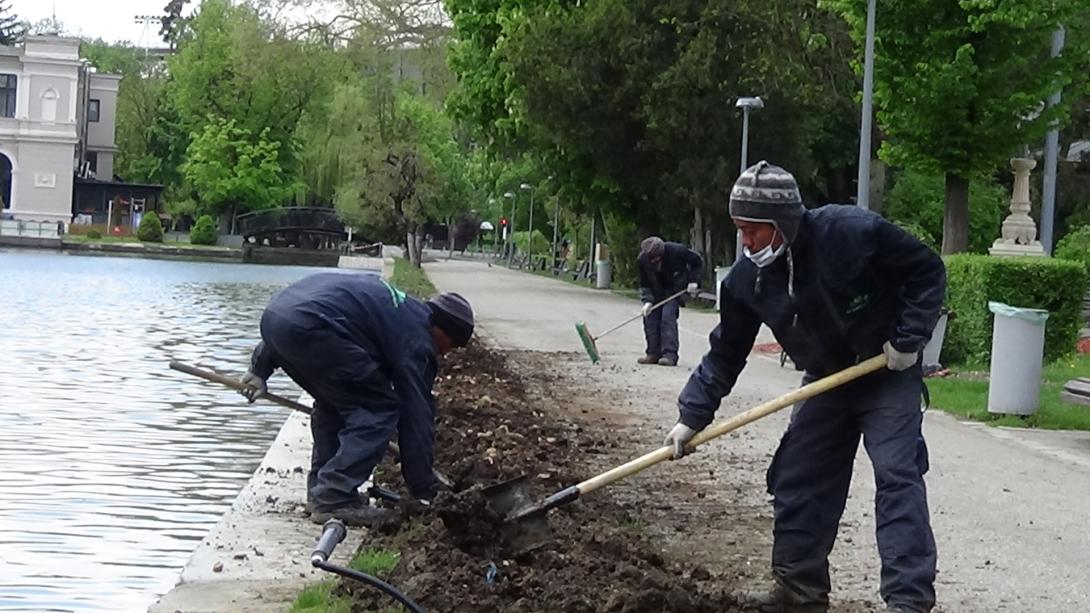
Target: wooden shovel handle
<point>729,425</point>
<point>640,314</point>
<point>235,384</point>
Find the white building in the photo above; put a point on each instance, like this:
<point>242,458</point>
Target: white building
<point>57,119</point>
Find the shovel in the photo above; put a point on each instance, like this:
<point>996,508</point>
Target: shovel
<point>509,498</point>
<point>235,384</point>
<point>590,342</point>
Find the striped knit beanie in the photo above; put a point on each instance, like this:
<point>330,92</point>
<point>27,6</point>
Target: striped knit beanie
<point>768,194</point>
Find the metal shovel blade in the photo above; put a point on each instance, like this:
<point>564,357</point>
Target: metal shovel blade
<point>506,499</point>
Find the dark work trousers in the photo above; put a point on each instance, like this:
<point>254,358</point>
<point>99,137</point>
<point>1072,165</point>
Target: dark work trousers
<point>660,330</point>
<point>811,472</point>
<point>354,417</point>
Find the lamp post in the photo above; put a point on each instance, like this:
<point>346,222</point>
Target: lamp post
<point>746,104</point>
<point>495,235</point>
<point>530,239</point>
<point>862,194</point>
<point>510,233</point>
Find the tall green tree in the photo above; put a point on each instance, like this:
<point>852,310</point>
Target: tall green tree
<point>12,28</point>
<point>233,172</point>
<point>960,85</point>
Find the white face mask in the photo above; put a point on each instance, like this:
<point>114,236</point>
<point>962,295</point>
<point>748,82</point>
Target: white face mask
<point>765,256</point>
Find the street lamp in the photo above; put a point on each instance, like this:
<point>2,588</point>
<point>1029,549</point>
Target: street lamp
<point>530,240</point>
<point>495,235</point>
<point>511,232</point>
<point>746,104</point>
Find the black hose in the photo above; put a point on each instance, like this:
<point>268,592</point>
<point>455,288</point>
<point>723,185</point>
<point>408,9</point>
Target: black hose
<point>373,581</point>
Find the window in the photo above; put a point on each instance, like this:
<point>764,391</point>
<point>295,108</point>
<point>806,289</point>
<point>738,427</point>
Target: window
<point>8,83</point>
<point>49,105</point>
<point>93,109</point>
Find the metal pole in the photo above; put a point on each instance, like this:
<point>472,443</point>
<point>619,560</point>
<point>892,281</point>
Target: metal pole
<point>862,195</point>
<point>556,227</point>
<point>742,168</point>
<point>1052,147</point>
<point>530,240</point>
<point>511,246</point>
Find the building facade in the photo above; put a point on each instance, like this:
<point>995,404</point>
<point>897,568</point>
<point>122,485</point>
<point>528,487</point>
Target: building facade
<point>57,121</point>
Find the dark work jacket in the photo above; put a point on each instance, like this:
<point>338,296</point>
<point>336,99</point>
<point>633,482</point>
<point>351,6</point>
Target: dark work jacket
<point>680,267</point>
<point>859,281</point>
<point>395,331</point>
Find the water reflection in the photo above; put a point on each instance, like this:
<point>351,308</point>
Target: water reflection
<point>111,465</point>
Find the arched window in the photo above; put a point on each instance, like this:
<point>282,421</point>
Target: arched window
<point>49,105</point>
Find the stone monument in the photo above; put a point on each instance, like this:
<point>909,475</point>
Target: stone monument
<point>1019,233</point>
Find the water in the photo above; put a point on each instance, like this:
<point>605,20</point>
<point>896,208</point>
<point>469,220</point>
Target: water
<point>112,466</point>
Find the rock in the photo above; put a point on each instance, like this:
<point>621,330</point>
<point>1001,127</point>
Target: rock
<point>217,567</point>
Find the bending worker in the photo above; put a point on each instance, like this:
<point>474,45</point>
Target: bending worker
<point>664,269</point>
<point>368,354</point>
<point>836,285</point>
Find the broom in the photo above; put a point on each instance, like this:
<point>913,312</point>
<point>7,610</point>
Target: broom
<point>590,341</point>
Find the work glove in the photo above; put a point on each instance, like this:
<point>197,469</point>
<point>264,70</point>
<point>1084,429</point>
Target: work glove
<point>678,438</point>
<point>646,310</point>
<point>899,360</point>
<point>257,386</point>
<point>693,290</point>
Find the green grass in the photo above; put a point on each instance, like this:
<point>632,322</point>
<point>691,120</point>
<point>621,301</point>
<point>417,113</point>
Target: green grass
<point>966,394</point>
<point>634,524</point>
<point>318,598</point>
<point>412,280</point>
<point>132,240</point>
<point>375,561</point>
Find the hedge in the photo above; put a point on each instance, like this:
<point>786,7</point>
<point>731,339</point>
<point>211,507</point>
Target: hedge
<point>150,229</point>
<point>204,231</point>
<point>1042,283</point>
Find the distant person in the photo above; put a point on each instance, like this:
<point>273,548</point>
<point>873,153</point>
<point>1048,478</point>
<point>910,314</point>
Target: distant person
<point>368,354</point>
<point>665,269</point>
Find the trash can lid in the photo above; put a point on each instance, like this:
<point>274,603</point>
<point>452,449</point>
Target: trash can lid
<point>1037,316</point>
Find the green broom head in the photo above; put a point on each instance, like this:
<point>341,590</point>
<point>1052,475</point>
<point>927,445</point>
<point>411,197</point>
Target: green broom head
<point>588,341</point>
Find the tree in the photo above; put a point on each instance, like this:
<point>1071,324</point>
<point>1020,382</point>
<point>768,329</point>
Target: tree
<point>12,29</point>
<point>172,25</point>
<point>230,173</point>
<point>959,86</point>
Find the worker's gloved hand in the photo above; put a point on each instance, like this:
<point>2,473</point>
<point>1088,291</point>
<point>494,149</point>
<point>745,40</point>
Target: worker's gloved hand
<point>257,386</point>
<point>646,310</point>
<point>693,290</point>
<point>899,360</point>
<point>678,438</point>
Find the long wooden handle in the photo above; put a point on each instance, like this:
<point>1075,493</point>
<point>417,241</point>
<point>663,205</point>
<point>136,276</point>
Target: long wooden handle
<point>639,315</point>
<point>235,384</point>
<point>729,425</point>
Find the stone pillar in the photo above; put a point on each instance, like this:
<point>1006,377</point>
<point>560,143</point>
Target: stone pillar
<point>1019,233</point>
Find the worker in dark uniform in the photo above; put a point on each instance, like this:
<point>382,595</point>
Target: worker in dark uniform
<point>836,285</point>
<point>368,354</point>
<point>665,269</point>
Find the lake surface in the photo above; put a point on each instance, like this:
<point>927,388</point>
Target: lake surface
<point>112,466</point>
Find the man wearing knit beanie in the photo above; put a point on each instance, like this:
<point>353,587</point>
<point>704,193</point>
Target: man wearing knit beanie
<point>368,354</point>
<point>664,269</point>
<point>836,285</point>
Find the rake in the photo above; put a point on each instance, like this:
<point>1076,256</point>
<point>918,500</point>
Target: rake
<point>590,342</point>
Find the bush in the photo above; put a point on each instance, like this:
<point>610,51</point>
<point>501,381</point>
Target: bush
<point>151,229</point>
<point>919,199</point>
<point>918,231</point>
<point>1042,283</point>
<point>204,231</point>
<point>1075,246</point>
<point>94,234</point>
<point>541,244</point>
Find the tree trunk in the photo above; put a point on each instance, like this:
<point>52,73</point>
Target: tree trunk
<point>955,222</point>
<point>415,246</point>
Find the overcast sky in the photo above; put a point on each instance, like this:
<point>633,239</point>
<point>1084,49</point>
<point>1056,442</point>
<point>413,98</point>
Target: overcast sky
<point>112,20</point>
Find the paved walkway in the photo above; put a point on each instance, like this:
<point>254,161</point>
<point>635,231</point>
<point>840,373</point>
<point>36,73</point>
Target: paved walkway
<point>1009,507</point>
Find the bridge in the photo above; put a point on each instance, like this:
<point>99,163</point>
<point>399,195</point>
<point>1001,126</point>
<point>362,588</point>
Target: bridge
<point>312,228</point>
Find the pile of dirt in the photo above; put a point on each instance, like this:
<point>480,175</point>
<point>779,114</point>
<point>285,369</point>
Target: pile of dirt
<point>455,558</point>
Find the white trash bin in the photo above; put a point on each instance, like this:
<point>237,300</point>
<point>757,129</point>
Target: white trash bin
<point>1018,348</point>
<point>604,274</point>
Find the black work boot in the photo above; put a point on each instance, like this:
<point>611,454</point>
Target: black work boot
<point>668,360</point>
<point>648,359</point>
<point>780,599</point>
<point>366,516</point>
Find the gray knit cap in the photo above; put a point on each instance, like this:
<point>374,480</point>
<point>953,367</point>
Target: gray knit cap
<point>768,194</point>
<point>652,246</point>
<point>453,315</point>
